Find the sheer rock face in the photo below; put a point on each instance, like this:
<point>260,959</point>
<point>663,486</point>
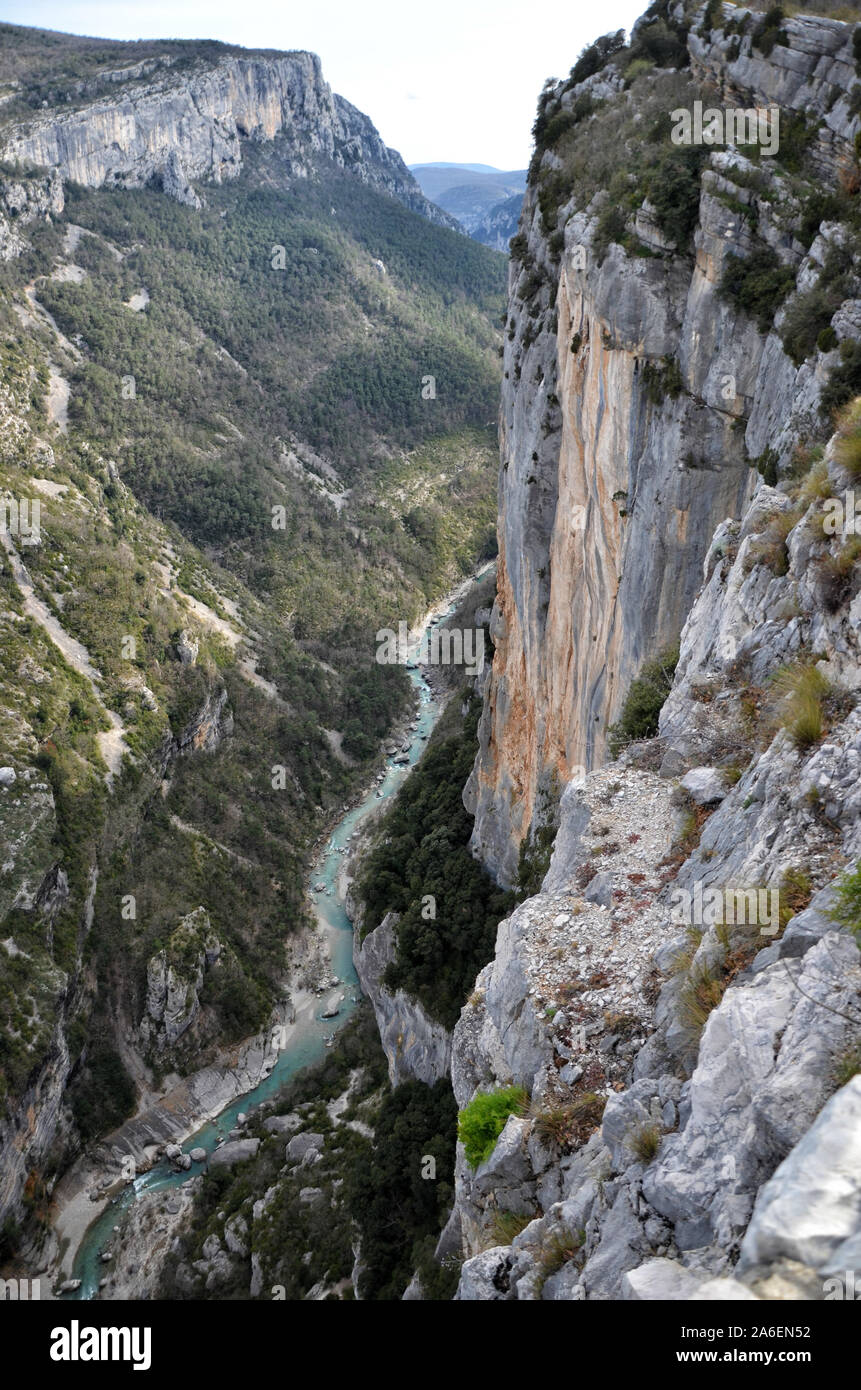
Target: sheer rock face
<point>610,491</point>
<point>23,201</point>
<point>175,129</point>
<point>416,1046</point>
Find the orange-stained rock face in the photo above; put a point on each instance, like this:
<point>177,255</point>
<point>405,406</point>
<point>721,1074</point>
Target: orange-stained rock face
<point>609,496</point>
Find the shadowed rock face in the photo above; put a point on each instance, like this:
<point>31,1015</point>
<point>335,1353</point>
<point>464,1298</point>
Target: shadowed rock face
<point>416,1046</point>
<point>609,490</point>
<point>177,128</point>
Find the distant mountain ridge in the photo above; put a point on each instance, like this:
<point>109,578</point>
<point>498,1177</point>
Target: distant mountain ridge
<point>479,196</point>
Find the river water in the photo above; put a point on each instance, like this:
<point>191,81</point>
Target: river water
<point>307,1043</point>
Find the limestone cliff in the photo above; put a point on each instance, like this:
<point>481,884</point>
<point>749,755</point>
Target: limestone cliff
<point>636,395</point>
<point>170,127</point>
<point>416,1046</point>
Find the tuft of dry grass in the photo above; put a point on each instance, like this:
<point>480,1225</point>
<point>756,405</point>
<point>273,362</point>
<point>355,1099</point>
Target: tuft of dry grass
<point>569,1126</point>
<point>769,549</point>
<point>801,690</point>
<point>847,1065</point>
<point>645,1142</point>
<point>796,890</point>
<point>702,992</point>
<point>847,446</point>
<point>836,575</point>
<point>508,1224</point>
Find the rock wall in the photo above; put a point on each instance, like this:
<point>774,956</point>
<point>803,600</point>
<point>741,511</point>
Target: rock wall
<point>609,491</point>
<point>693,1127</point>
<point>416,1046</point>
<point>178,128</point>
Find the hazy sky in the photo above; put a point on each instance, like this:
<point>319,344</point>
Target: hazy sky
<point>450,79</point>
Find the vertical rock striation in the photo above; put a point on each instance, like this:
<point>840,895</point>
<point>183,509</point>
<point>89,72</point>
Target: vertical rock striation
<point>635,399</point>
<point>172,128</point>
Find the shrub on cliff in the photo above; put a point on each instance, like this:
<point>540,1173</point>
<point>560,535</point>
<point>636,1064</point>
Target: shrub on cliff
<point>847,449</point>
<point>639,717</point>
<point>674,192</point>
<point>757,284</point>
<point>847,909</point>
<point>597,55</point>
<point>769,32</point>
<point>480,1123</point>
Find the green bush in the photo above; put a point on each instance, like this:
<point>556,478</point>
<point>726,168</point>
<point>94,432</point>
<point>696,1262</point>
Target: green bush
<point>662,379</point>
<point>845,379</point>
<point>597,55</point>
<point>847,909</point>
<point>658,40</point>
<point>611,228</point>
<point>769,32</point>
<point>480,1123</point>
<point>757,284</point>
<point>674,192</point>
<point>808,319</point>
<point>639,717</point>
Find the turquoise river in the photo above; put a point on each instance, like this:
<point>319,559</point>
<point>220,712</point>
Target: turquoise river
<point>307,1043</point>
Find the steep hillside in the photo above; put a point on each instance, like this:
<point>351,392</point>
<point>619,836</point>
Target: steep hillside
<point>693,1121</point>
<point>250,388</point>
<point>499,224</point>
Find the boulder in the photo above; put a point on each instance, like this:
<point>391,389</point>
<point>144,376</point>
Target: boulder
<point>485,1277</point>
<point>705,785</point>
<point>810,1208</point>
<point>600,890</point>
<point>282,1124</point>
<point>237,1151</point>
<point>660,1280</point>
<point>722,1291</point>
<point>302,1144</point>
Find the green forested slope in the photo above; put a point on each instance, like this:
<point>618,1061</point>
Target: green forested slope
<point>237,388</point>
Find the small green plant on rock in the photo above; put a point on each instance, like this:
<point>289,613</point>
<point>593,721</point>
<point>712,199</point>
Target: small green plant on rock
<point>847,908</point>
<point>481,1122</point>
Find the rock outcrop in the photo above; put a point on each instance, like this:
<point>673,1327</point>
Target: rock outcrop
<point>417,1048</point>
<point>175,979</point>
